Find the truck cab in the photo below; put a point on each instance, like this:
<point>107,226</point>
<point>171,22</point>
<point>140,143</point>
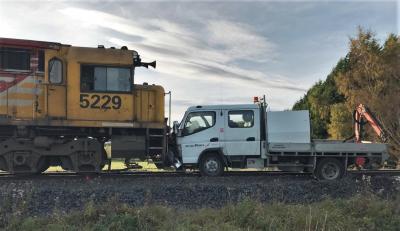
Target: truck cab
<point>218,134</point>
<point>233,130</point>
<point>213,138</point>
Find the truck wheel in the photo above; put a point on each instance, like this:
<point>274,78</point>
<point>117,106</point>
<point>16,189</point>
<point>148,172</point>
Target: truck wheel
<point>329,169</point>
<point>211,165</point>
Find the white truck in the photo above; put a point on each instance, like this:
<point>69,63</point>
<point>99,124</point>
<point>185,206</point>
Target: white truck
<point>215,138</point>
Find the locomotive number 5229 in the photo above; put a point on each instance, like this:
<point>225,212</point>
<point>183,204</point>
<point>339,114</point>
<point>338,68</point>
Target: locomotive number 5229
<point>100,101</point>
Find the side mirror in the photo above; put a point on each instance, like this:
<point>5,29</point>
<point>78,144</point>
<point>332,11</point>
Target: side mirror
<point>175,128</point>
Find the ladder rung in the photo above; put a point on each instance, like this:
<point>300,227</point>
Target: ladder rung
<point>156,135</point>
<point>158,148</point>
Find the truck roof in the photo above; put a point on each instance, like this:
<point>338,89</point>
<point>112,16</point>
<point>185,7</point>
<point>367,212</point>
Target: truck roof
<point>224,107</point>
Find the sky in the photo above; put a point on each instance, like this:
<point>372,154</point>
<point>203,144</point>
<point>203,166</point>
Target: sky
<point>223,52</point>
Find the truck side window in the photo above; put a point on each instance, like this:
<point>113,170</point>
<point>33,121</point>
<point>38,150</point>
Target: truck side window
<point>198,121</point>
<point>241,119</point>
<point>55,71</point>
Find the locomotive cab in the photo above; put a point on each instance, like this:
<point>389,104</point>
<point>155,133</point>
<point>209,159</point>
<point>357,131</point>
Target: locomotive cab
<point>52,94</point>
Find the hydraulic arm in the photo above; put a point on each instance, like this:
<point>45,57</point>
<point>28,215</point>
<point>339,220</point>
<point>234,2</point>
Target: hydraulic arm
<point>362,112</point>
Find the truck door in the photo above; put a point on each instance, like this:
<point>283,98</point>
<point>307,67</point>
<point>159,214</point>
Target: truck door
<point>242,132</point>
<point>199,131</point>
<point>56,91</point>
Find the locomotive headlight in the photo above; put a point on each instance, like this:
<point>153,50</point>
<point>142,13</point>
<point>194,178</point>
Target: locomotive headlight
<point>136,59</point>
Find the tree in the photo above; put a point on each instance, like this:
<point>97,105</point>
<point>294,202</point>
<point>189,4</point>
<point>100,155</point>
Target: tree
<point>340,126</point>
<point>318,101</point>
<point>373,79</point>
<point>368,74</point>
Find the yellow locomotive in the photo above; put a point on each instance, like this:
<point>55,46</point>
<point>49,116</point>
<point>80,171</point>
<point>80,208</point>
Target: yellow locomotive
<point>59,104</point>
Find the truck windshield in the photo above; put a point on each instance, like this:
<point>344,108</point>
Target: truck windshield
<point>198,121</point>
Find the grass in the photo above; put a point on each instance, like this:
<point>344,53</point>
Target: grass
<point>358,213</point>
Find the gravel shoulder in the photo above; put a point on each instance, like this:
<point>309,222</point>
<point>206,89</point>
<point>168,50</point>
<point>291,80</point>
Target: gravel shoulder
<point>43,196</point>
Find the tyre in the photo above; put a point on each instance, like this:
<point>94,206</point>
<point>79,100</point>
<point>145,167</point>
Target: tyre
<point>329,169</point>
<point>211,165</point>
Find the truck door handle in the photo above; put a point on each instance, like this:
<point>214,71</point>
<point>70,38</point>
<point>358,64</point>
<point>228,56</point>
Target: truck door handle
<point>251,139</point>
<point>214,139</point>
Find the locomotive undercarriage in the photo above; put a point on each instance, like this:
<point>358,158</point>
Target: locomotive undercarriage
<point>24,156</point>
<point>27,150</point>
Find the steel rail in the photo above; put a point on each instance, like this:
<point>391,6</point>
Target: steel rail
<point>117,173</point>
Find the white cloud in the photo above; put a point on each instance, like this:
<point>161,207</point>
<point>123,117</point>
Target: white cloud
<point>239,41</point>
<point>205,55</point>
<point>184,53</point>
<point>196,63</point>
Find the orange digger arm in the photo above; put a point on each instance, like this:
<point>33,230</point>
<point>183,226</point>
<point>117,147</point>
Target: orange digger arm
<point>363,112</point>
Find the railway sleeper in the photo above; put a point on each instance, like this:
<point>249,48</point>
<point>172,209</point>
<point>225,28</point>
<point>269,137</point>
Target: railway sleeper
<point>22,156</point>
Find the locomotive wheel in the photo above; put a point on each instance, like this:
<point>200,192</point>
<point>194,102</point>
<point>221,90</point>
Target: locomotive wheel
<point>159,165</point>
<point>211,165</point>
<point>42,165</point>
<point>329,169</point>
<point>104,160</point>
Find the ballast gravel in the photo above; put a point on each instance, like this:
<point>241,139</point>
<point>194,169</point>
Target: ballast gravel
<point>45,195</point>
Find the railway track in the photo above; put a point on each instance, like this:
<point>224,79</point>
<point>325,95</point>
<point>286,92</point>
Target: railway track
<point>138,174</point>
<point>122,174</point>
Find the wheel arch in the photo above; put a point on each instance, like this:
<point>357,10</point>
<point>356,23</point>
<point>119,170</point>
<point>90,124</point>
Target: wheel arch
<point>339,158</point>
<point>217,151</point>
<point>342,159</point>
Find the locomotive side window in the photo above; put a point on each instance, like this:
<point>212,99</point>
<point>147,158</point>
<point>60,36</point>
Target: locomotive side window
<point>100,79</point>
<point>55,71</point>
<point>105,79</point>
<point>41,61</point>
<point>118,79</point>
<point>15,58</point>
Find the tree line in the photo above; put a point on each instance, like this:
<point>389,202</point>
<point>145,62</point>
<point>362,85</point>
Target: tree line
<point>369,74</point>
